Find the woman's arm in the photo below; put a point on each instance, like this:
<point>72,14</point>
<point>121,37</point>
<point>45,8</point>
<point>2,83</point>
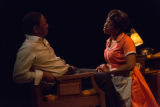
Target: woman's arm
<point>130,63</point>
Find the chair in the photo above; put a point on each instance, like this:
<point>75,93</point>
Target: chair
<point>69,93</point>
<point>158,87</point>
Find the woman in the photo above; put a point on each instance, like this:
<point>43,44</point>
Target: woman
<point>120,55</point>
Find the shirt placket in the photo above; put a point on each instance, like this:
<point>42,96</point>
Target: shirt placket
<point>109,49</point>
<point>51,50</point>
<point>46,45</point>
<point>109,63</point>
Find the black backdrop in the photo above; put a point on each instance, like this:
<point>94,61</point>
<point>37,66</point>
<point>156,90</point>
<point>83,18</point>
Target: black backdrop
<point>75,31</point>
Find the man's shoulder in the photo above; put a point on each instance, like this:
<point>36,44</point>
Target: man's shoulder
<point>28,46</point>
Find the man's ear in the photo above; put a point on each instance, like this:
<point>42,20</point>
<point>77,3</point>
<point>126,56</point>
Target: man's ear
<point>35,29</point>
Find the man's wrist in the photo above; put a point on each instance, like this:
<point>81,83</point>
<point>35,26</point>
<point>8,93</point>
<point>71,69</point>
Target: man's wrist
<point>38,77</point>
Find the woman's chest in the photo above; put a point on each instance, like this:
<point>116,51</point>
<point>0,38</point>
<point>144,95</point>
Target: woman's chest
<point>114,51</point>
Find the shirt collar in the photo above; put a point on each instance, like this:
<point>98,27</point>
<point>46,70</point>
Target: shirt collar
<point>34,38</point>
<point>120,36</point>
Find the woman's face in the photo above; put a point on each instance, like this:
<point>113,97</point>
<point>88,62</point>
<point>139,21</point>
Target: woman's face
<point>109,28</point>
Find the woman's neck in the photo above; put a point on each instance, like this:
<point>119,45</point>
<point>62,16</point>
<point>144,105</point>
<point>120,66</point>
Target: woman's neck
<point>114,36</point>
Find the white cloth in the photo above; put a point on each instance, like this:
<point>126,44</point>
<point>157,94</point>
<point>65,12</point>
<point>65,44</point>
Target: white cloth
<point>34,57</point>
<point>122,85</point>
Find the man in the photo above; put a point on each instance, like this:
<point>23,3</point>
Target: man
<point>36,61</point>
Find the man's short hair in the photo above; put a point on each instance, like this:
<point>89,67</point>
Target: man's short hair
<point>30,20</point>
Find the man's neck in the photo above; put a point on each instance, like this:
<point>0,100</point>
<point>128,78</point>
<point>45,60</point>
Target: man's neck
<point>37,34</point>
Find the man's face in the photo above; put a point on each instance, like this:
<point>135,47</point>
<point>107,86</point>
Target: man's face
<point>43,26</point>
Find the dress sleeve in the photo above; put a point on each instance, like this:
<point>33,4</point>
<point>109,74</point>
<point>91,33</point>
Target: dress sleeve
<point>129,46</point>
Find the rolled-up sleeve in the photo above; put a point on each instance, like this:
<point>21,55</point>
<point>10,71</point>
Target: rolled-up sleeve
<point>23,72</point>
<point>38,77</point>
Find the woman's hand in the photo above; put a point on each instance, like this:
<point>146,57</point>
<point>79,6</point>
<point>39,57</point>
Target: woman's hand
<point>102,68</point>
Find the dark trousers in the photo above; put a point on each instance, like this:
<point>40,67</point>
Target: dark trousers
<point>104,82</point>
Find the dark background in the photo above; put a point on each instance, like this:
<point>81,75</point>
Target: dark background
<point>75,32</point>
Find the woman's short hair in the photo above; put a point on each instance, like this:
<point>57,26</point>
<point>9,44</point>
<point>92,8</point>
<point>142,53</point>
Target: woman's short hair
<point>30,20</point>
<point>120,20</point>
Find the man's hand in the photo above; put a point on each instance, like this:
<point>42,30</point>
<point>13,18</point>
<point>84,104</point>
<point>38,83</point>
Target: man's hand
<point>47,76</point>
<point>102,68</point>
<point>72,68</point>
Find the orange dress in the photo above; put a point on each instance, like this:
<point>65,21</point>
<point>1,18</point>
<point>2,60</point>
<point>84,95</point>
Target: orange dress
<point>134,90</point>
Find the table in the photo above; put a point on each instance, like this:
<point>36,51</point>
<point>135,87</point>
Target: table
<point>153,79</point>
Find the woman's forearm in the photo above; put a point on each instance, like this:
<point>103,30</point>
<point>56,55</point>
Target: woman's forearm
<point>125,68</point>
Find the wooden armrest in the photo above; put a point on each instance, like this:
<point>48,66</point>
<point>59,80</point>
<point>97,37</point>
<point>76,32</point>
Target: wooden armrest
<point>75,76</point>
<point>71,84</point>
<point>67,84</point>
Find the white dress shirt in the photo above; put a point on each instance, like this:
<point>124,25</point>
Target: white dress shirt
<point>34,57</point>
